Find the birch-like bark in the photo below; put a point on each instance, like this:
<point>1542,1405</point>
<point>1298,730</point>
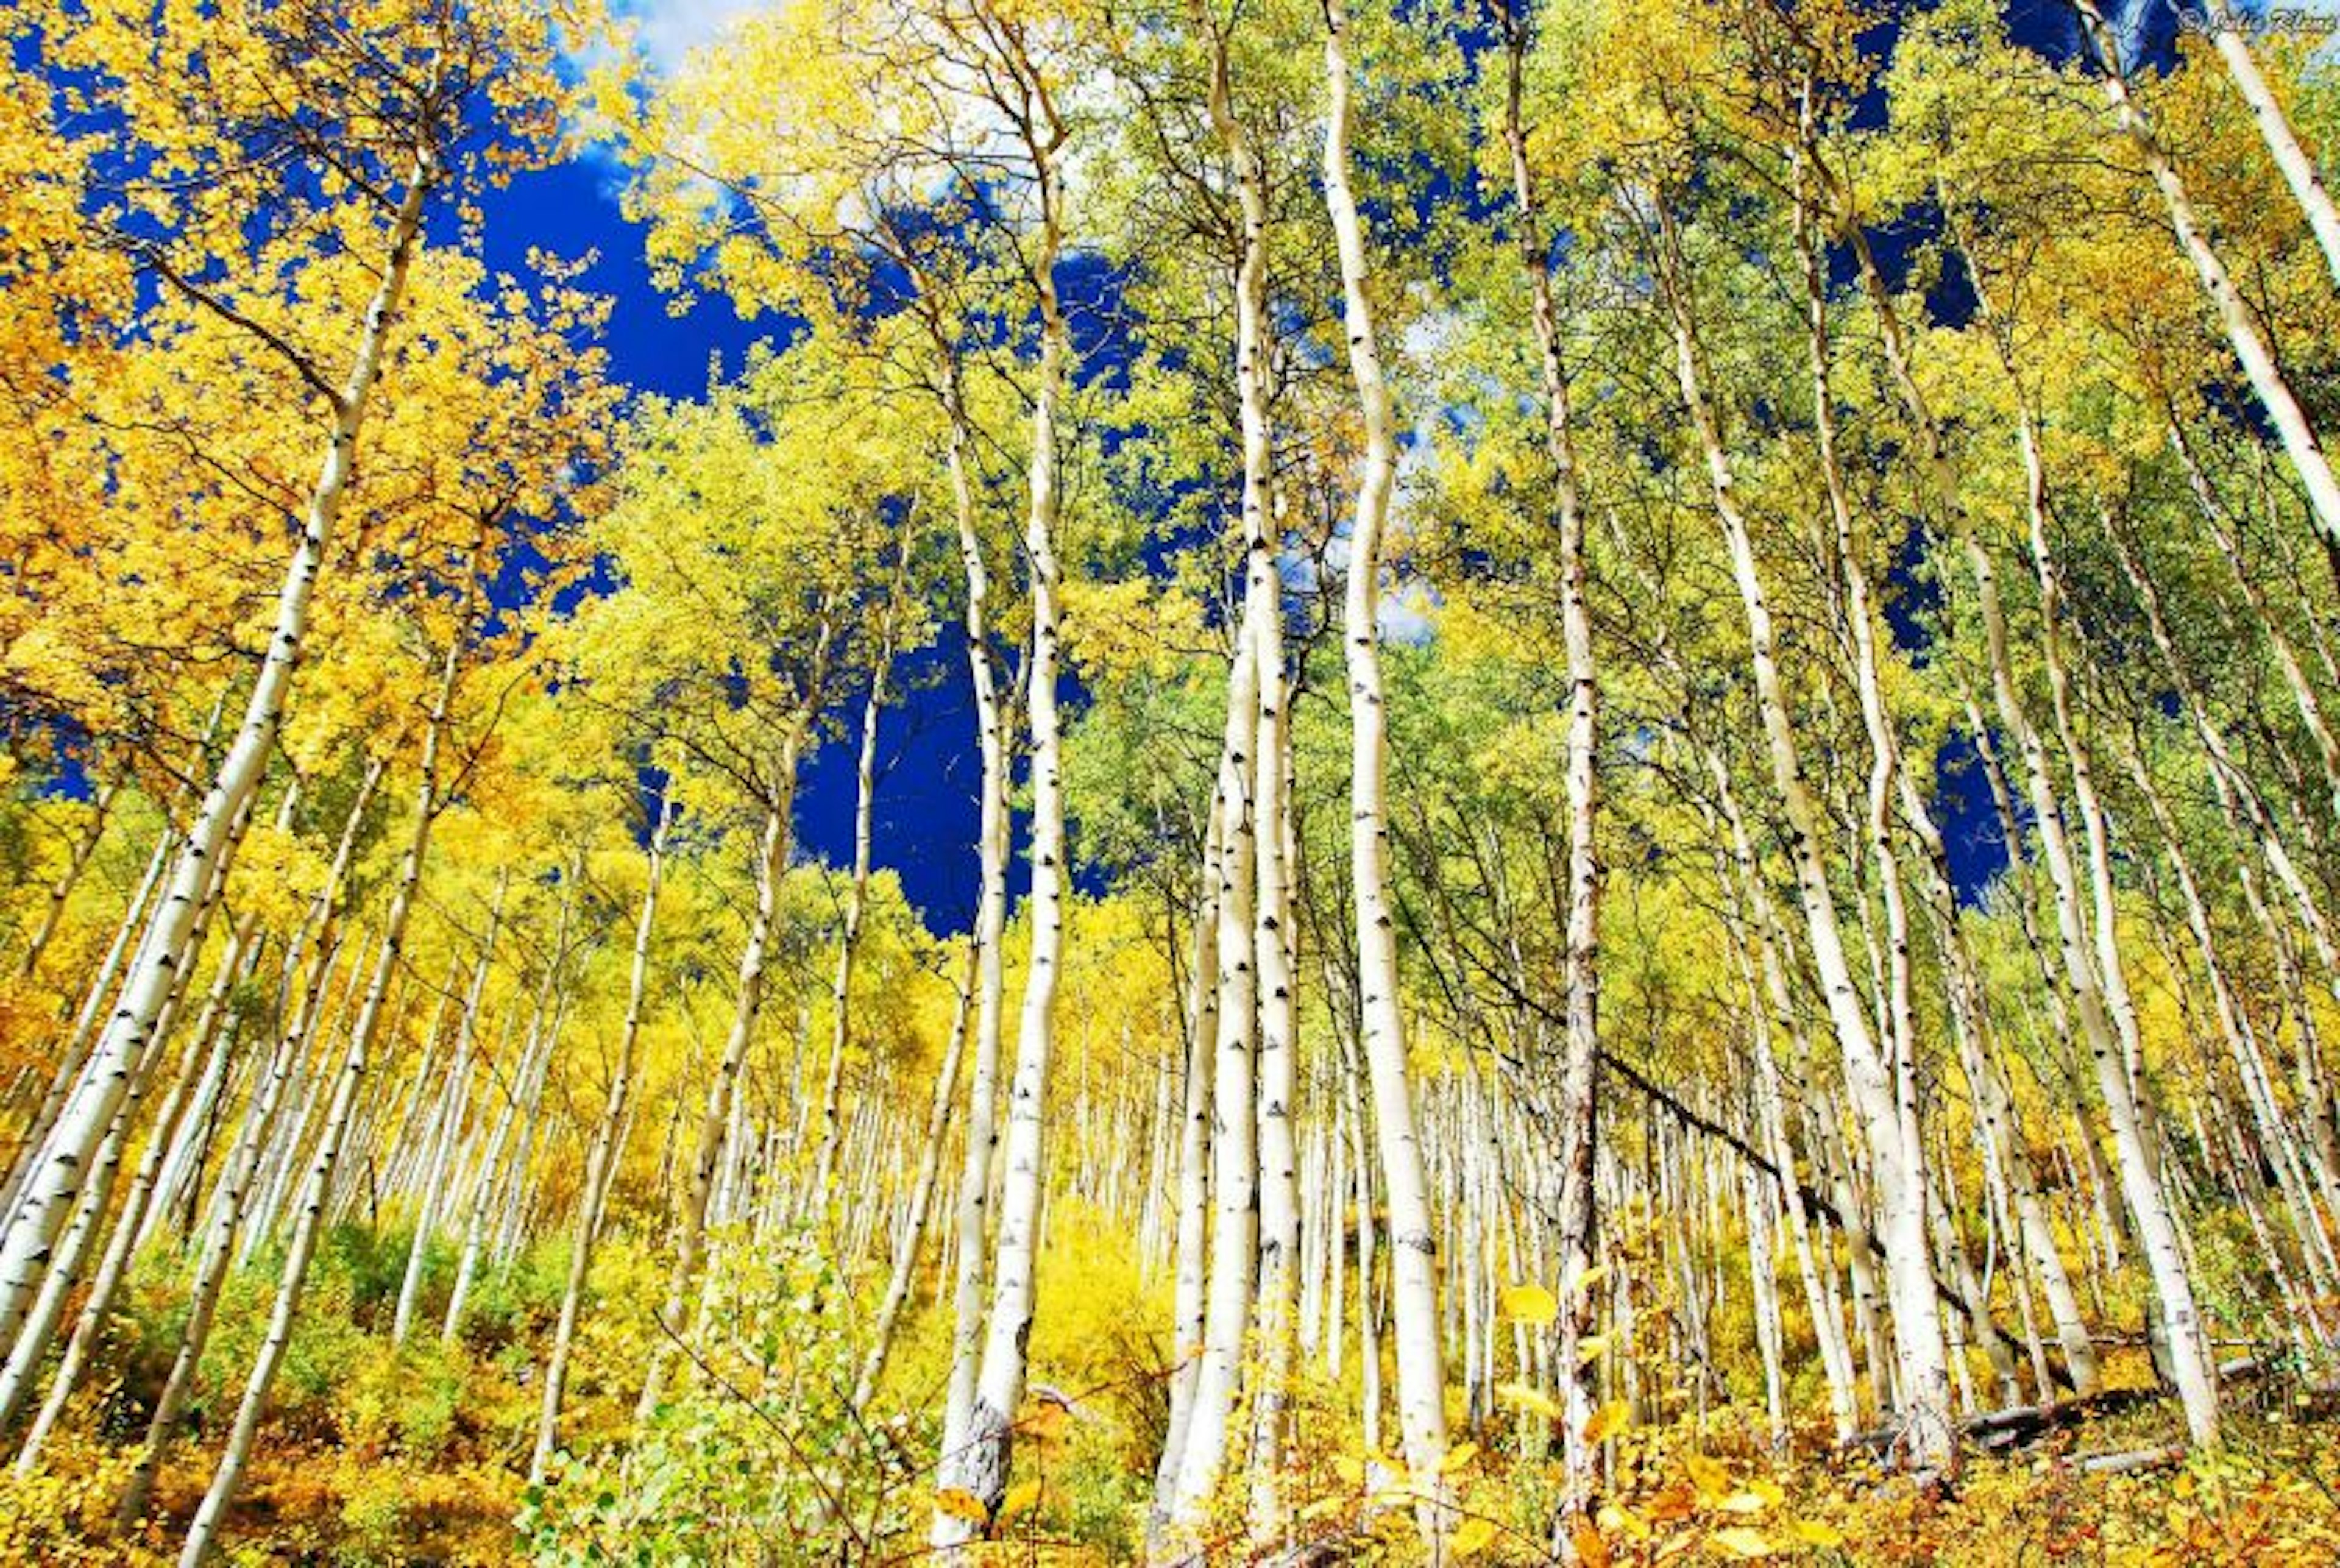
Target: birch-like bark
<point>856,899</point>
<point>206,1046</point>
<point>909,1243</point>
<point>747,1006</point>
<point>49,1195</point>
<point>2297,168</point>
<point>2227,536</point>
<point>1870,1077</point>
<point>449,1130</point>
<point>527,1083</point>
<point>2244,331</point>
<point>1577,1109</point>
<point>39,1329</point>
<point>603,1160</point>
<point>981,1141</point>
<point>981,1464</point>
<point>202,1534</point>
<point>1189,1301</point>
<point>73,1056</point>
<point>1414,1281</point>
<point>60,890</point>
<point>1234,1140</point>
<point>243,1165</point>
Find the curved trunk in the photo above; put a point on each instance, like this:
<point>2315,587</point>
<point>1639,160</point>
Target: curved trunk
<point>601,1162</point>
<point>1884,1110</point>
<point>49,1195</point>
<point>1413,1279</point>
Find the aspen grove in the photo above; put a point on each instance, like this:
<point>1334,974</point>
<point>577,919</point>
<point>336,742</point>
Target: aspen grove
<point>1169,780</point>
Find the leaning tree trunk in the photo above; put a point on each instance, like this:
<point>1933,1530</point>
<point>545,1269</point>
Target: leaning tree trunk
<point>54,1188</point>
<point>60,890</point>
<point>527,1083</point>
<point>1413,1279</point>
<point>856,899</point>
<point>236,1177</point>
<point>1899,1166</point>
<point>2244,331</point>
<point>981,1465</point>
<point>771,860</point>
<point>602,1161</point>
<point>202,1532</point>
<point>2297,167</point>
<point>1579,1072</point>
<point>447,1130</point>
<point>921,1200</point>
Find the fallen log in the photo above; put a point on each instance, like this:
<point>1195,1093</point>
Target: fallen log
<point>2116,1463</point>
<point>2019,1424</point>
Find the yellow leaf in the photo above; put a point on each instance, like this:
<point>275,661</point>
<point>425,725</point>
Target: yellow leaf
<point>1713,1481</point>
<point>1591,1551</point>
<point>960,1504</point>
<point>1591,1278</point>
<point>1455,1458</point>
<point>1813,1532</point>
<point>1474,1537</point>
<point>1612,1417</point>
<point>1590,1346</point>
<point>1530,1303</point>
<point>1741,1542</point>
<point>1617,1517</point>
<point>1019,1499</point>
<point>1769,1490</point>
<point>1525,1397</point>
<point>1743,1503</point>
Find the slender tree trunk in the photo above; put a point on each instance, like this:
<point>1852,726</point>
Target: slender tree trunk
<point>206,1045</point>
<point>982,1467</point>
<point>527,1083</point>
<point>1580,1073</point>
<point>1413,1280</point>
<point>1871,1078</point>
<point>2244,331</point>
<point>51,1194</point>
<point>1234,1170</point>
<point>603,1160</point>
<point>973,1204</point>
<point>202,1532</point>
<point>908,1244</point>
<point>449,1130</point>
<point>243,1165</point>
<point>857,900</point>
<point>1189,1301</point>
<point>771,862</point>
<point>60,890</point>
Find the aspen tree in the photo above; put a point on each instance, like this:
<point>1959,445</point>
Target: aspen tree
<point>1413,1290</point>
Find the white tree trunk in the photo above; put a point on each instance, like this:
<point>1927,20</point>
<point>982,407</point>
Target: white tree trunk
<point>1413,1280</point>
<point>747,1006</point>
<point>1899,1167</point>
<point>2243,328</point>
<point>603,1160</point>
<point>49,1195</point>
<point>981,1464</point>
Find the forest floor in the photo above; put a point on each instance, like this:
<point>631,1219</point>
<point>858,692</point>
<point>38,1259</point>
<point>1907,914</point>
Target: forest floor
<point>2271,1495</point>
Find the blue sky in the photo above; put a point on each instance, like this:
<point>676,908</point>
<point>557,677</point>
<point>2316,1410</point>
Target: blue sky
<point>927,812</point>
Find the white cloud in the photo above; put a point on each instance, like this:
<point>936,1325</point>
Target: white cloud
<point>669,30</point>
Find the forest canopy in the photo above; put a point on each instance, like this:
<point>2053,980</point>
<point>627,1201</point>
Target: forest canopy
<point>1174,781</point>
